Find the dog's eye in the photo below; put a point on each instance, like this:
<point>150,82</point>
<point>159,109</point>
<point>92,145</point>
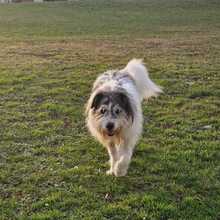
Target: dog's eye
<point>117,111</point>
<point>103,111</point>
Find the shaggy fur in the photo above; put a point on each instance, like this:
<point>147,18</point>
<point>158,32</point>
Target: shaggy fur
<point>114,113</point>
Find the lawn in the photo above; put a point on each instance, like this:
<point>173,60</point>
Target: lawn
<point>50,53</point>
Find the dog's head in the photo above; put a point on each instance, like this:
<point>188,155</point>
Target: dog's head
<point>112,112</point>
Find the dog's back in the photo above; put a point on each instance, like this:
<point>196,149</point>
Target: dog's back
<point>134,73</point>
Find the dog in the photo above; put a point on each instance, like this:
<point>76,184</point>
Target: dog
<point>114,114</point>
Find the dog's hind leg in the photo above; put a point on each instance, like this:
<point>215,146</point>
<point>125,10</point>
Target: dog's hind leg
<point>112,151</point>
<point>122,164</point>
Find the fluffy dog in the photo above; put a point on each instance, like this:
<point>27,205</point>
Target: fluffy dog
<point>114,113</point>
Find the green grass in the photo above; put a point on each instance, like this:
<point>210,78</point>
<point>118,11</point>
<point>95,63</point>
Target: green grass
<point>50,168</point>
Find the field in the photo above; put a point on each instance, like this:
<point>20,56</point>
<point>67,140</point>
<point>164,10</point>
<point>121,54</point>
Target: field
<point>50,53</point>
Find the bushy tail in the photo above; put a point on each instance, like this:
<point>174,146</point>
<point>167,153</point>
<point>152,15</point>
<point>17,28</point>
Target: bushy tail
<point>146,87</point>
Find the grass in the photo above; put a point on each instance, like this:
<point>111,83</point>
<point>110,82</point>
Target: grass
<point>50,168</point>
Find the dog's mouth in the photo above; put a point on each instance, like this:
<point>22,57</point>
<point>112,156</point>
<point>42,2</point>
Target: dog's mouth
<point>109,133</point>
<point>112,133</point>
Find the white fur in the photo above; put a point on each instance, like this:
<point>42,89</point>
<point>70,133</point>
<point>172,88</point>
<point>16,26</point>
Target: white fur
<point>138,86</point>
<point>145,86</point>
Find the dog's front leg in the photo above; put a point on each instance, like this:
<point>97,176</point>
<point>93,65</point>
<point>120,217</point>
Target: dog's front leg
<point>121,166</point>
<point>112,151</point>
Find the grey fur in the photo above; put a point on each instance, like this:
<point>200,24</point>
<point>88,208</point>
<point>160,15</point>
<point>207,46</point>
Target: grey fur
<point>114,75</point>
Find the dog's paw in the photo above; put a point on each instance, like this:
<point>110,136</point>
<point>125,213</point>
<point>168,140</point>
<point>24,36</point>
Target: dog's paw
<point>119,173</point>
<point>120,170</point>
<point>109,172</point>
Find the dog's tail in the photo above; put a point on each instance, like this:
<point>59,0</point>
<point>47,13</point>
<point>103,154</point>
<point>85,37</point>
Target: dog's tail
<point>145,86</point>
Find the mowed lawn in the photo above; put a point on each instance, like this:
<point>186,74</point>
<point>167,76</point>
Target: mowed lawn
<point>50,53</point>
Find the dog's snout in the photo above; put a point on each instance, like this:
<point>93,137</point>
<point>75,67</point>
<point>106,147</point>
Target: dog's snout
<point>110,126</point>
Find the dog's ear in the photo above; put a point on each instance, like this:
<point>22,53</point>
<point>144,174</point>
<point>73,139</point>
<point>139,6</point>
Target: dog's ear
<point>97,100</point>
<point>124,102</point>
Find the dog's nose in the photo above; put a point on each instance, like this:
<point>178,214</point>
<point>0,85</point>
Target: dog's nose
<point>110,126</point>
